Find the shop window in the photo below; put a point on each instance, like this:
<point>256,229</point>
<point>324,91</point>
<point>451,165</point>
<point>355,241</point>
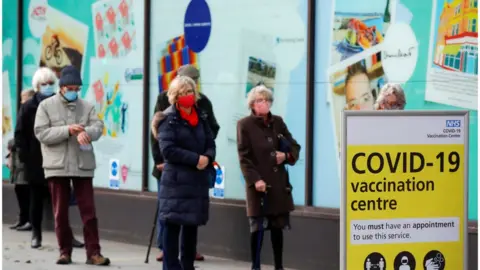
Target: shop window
<point>104,40</point>
<point>472,25</point>
<point>473,3</point>
<point>457,10</point>
<point>236,45</point>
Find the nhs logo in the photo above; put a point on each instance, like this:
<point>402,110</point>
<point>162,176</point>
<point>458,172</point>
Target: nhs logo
<point>453,123</point>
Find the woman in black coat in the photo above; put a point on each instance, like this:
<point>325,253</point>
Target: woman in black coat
<point>17,176</point>
<point>188,148</point>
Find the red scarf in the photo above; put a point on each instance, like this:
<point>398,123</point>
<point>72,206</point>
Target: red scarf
<point>191,118</point>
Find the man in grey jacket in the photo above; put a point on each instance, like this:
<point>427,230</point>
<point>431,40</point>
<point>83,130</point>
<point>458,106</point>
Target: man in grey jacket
<point>66,126</point>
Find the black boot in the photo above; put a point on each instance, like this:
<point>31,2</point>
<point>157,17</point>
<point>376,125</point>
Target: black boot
<point>36,239</point>
<point>16,225</point>
<point>77,244</point>
<point>25,227</point>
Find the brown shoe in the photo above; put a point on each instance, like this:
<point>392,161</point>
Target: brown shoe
<point>199,257</point>
<point>98,260</point>
<point>64,259</point>
<point>160,256</point>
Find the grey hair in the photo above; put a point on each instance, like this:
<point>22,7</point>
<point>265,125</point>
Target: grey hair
<point>391,89</point>
<point>259,90</point>
<point>43,75</point>
<point>177,86</point>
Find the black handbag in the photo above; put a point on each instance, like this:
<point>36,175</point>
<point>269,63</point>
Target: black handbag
<point>284,145</point>
<point>212,175</point>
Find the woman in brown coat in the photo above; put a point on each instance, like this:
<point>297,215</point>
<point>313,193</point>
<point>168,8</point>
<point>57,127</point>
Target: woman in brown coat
<point>260,137</point>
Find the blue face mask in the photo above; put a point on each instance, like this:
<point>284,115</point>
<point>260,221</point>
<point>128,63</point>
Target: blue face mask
<point>47,90</point>
<point>70,95</point>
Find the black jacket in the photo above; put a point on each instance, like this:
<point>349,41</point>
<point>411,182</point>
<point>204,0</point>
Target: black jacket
<point>27,145</point>
<point>183,195</point>
<point>162,104</point>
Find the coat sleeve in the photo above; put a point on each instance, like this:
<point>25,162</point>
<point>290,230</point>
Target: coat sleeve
<point>245,156</point>
<point>162,102</point>
<point>44,132</point>
<point>170,150</point>
<point>212,121</point>
<point>20,136</point>
<point>211,147</point>
<point>295,147</point>
<point>94,128</point>
<point>156,153</point>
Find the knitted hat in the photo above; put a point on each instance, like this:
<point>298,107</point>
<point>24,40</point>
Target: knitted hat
<point>70,76</point>
<point>189,71</point>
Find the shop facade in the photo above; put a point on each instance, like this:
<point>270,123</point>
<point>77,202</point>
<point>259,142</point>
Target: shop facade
<point>128,51</point>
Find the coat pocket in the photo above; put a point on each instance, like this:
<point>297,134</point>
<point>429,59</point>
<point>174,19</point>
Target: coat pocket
<point>86,160</point>
<point>54,155</point>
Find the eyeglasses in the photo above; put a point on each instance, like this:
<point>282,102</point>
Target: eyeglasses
<point>187,92</point>
<point>262,100</point>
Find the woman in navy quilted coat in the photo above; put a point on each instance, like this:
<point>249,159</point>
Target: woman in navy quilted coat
<point>188,148</point>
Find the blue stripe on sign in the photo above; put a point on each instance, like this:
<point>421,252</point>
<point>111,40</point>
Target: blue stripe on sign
<point>160,84</point>
<point>185,56</point>
<point>173,46</point>
<point>168,63</point>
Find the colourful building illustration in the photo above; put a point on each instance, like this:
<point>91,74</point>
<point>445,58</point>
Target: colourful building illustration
<point>456,47</point>
<point>174,55</point>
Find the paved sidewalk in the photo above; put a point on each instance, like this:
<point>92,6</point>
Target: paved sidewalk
<point>17,254</point>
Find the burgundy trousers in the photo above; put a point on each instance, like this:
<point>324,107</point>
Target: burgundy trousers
<point>83,190</point>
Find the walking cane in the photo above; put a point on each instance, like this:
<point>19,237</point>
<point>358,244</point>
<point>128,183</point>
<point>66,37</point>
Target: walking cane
<point>151,234</point>
<point>261,230</point>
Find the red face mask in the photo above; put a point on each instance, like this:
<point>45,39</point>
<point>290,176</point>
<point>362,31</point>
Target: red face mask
<point>186,101</point>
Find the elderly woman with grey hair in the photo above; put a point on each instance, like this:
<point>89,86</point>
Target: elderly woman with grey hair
<point>188,149</point>
<point>265,146</point>
<point>28,149</point>
<point>391,97</point>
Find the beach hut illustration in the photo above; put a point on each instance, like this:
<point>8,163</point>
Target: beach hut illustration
<point>113,46</point>
<point>174,55</point>
<point>99,24</point>
<point>123,7</point>
<point>111,16</point>
<point>127,42</point>
<point>101,51</point>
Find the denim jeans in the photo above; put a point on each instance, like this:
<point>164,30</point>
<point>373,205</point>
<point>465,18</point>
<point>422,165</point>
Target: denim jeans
<point>160,227</point>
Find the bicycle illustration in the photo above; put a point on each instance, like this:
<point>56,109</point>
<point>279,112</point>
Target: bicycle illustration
<point>54,50</point>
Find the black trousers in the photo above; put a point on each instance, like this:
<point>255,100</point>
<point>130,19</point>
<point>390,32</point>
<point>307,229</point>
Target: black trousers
<point>256,242</point>
<point>38,194</point>
<point>171,234</point>
<point>23,198</point>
